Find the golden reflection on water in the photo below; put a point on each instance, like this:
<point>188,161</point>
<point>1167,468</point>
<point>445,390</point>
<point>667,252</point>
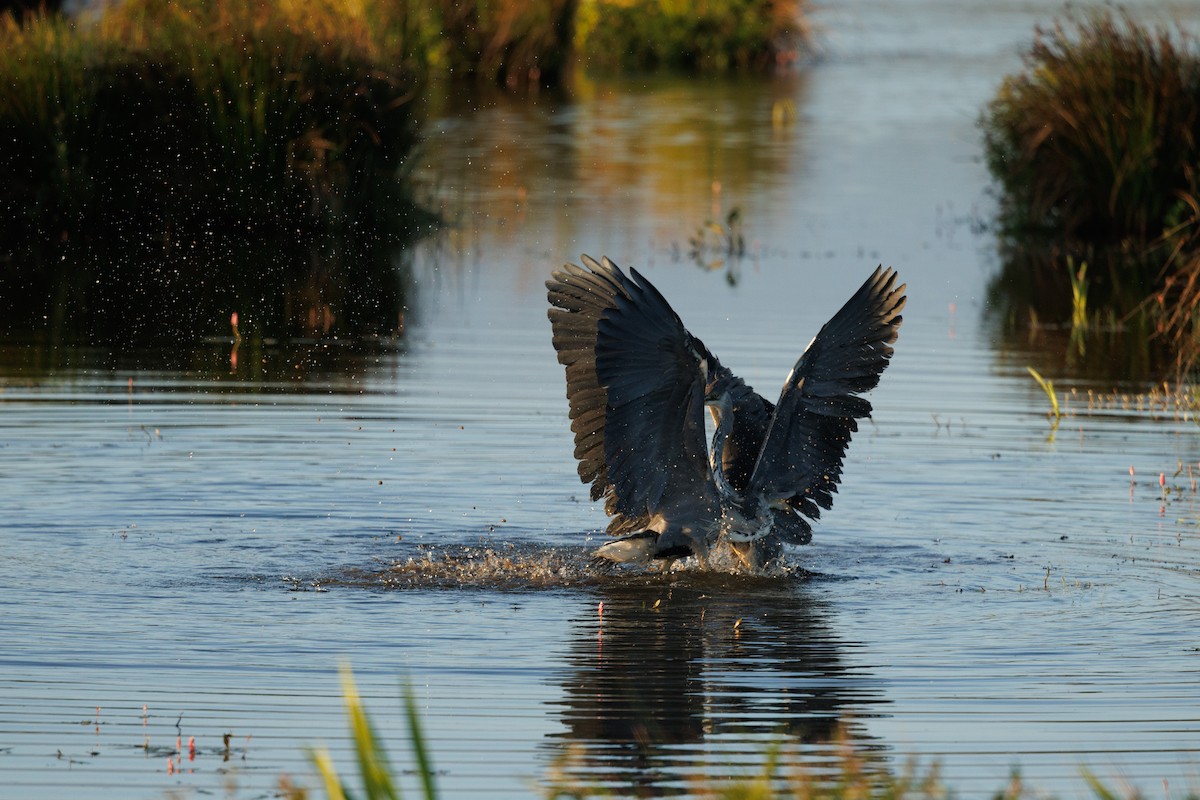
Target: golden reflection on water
<point>515,170</point>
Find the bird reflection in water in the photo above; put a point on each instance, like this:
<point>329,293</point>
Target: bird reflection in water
<point>674,682</point>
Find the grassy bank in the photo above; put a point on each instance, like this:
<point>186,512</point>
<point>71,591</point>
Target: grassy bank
<point>1096,151</point>
<point>167,164</point>
<point>166,155</point>
<point>691,35</point>
<point>190,115</point>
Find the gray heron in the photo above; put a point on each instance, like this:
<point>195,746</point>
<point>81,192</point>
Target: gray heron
<point>638,384</point>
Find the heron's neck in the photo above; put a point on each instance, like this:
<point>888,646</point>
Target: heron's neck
<point>724,424</point>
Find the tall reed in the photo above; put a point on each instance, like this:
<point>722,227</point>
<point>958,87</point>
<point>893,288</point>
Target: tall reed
<point>513,43</point>
<point>1096,149</point>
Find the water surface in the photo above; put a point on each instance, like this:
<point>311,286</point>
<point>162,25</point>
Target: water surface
<point>192,546</point>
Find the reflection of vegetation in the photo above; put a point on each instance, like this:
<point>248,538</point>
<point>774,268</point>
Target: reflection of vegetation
<point>1095,150</point>
<point>714,245</point>
<point>1091,321</point>
<point>691,35</point>
<point>643,145</point>
<point>139,294</point>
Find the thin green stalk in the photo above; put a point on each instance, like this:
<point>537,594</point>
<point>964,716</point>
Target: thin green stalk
<point>1079,294</point>
<point>1048,388</point>
<point>419,749</point>
<point>373,765</point>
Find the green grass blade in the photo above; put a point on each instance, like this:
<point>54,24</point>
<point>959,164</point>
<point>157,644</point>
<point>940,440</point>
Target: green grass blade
<point>420,751</point>
<point>372,759</point>
<point>1098,789</point>
<point>333,784</point>
<point>1048,388</point>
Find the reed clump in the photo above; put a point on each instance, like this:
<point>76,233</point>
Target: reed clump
<point>691,35</point>
<point>1096,149</point>
<point>512,43</point>
<point>1097,138</point>
<point>166,116</point>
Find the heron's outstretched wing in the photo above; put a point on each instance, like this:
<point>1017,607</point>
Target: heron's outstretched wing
<point>654,372</point>
<point>578,298</point>
<point>818,409</point>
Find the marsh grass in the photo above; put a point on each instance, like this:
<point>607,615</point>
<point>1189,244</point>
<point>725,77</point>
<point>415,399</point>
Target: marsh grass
<point>1079,293</point>
<point>166,163</point>
<point>782,775</point>
<point>693,35</point>
<point>1097,137</point>
<point>152,116</point>
<point>160,116</point>
<point>1047,387</point>
<point>374,769</point>
<point>1095,149</point>
<point>1175,307</point>
<point>512,43</point>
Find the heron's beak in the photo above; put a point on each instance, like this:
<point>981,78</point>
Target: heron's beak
<point>718,401</point>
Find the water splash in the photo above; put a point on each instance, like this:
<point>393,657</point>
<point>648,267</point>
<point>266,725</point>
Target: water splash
<point>534,566</point>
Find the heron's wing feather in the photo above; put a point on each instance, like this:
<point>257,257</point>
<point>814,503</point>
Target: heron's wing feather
<point>818,409</point>
<point>652,370</point>
<point>578,298</point>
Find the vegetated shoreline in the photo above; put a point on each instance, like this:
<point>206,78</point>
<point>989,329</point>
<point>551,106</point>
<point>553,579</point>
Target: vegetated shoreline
<point>197,129</point>
<point>183,113</point>
<point>1095,150</point>
<point>188,154</point>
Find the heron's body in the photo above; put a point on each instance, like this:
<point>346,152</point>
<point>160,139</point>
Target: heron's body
<point>638,383</point>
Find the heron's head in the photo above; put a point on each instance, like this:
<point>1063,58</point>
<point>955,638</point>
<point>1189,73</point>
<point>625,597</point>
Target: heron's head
<point>717,395</point>
<point>719,401</point>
